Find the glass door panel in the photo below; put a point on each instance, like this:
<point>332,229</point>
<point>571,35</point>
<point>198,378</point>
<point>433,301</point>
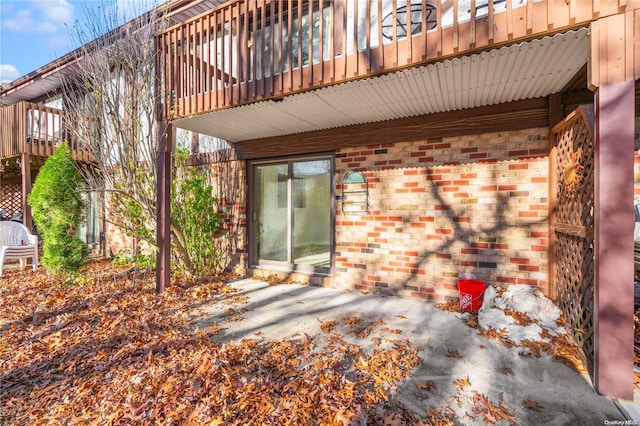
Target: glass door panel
<point>271,209</point>
<point>292,214</point>
<point>311,218</point>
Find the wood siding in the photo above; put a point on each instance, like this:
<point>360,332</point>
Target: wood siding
<point>615,51</point>
<point>246,51</point>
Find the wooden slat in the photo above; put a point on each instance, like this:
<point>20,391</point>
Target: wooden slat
<point>290,44</point>
<point>320,78</point>
<point>456,28</point>
<point>280,49</point>
<point>379,58</point>
<point>300,73</point>
<point>210,60</point>
<point>490,20</point>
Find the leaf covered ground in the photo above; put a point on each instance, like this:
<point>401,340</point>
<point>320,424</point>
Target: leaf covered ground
<point>109,350</point>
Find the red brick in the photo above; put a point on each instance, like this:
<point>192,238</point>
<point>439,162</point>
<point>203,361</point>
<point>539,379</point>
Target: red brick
<point>425,160</point>
<point>480,245</point>
<point>478,155</point>
<point>530,268</point>
<point>443,231</point>
<point>541,234</point>
<point>518,166</point>
<point>468,251</point>
<point>499,246</point>
<point>528,214</point>
<point>519,260</point>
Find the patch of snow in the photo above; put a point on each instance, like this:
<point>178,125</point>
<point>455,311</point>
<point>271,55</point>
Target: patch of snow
<point>523,299</point>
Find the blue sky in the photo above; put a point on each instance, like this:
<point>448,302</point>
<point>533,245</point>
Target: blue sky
<point>36,32</point>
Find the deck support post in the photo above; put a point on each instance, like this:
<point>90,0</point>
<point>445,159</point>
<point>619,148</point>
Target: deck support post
<point>163,195</point>
<point>26,190</point>
<point>614,223</point>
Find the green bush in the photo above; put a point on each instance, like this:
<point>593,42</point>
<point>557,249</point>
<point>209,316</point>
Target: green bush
<point>58,208</point>
<point>194,219</point>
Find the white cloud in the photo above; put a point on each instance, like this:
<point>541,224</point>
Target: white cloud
<point>39,16</point>
<point>8,73</point>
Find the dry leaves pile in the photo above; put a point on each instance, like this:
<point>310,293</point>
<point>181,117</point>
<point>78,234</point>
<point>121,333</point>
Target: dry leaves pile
<point>111,351</point>
<point>561,348</point>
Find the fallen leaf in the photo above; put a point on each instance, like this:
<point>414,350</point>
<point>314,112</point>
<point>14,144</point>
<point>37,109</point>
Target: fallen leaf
<point>506,371</point>
<point>454,354</point>
<point>532,405</point>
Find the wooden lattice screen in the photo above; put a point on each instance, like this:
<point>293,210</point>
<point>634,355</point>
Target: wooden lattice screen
<point>10,199</point>
<point>572,225</point>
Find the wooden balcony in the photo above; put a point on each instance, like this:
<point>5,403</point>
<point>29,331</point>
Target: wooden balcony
<point>247,51</point>
<point>28,128</point>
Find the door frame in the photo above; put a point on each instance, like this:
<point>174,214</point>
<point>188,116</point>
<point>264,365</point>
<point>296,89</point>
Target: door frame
<point>252,260</point>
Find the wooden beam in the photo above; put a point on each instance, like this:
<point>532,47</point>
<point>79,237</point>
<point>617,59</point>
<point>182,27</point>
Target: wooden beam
<point>614,248</point>
<point>26,190</point>
<point>163,196</point>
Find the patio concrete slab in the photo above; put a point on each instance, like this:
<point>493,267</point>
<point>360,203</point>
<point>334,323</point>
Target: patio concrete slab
<point>564,397</point>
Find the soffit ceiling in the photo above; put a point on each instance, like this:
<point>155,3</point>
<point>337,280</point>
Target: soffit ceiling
<point>522,71</point>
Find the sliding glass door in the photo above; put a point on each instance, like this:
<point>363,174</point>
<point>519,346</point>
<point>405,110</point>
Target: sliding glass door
<point>292,214</point>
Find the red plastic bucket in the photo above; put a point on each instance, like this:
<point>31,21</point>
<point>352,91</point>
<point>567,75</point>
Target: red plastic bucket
<point>471,294</point>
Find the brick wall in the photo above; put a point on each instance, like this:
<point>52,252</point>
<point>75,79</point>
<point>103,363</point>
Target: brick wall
<point>228,179</point>
<point>115,239</point>
<point>438,209</point>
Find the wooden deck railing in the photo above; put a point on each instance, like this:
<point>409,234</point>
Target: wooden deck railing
<point>250,50</point>
<point>35,129</point>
